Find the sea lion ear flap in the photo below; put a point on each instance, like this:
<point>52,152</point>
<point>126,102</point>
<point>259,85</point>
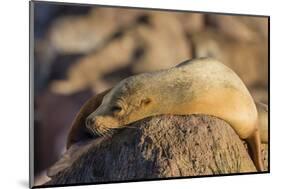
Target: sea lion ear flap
<point>146,101</point>
<point>78,131</point>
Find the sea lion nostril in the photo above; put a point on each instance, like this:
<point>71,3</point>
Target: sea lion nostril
<point>89,122</point>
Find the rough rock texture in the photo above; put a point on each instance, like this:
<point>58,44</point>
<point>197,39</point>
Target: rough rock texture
<point>161,147</point>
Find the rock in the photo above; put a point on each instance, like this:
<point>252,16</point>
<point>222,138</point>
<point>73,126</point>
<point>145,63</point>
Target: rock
<point>164,42</point>
<point>161,147</point>
<point>248,59</point>
<point>89,70</point>
<point>191,22</point>
<point>84,33</point>
<point>259,94</point>
<point>242,28</point>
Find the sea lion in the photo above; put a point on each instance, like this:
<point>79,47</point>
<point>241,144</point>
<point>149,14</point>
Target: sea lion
<point>199,86</point>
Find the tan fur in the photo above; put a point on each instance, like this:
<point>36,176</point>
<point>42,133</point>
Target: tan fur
<point>263,121</point>
<point>200,86</point>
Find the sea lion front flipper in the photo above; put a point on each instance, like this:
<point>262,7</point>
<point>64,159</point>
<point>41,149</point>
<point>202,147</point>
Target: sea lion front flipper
<point>72,154</point>
<point>78,130</point>
<point>67,159</point>
<point>263,121</point>
<point>254,143</point>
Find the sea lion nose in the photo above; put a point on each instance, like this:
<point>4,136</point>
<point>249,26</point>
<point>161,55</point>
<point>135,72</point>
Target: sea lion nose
<point>89,122</point>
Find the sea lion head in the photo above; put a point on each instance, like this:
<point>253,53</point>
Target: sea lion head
<point>124,104</point>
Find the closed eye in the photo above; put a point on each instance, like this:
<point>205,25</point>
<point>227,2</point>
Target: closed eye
<point>116,109</point>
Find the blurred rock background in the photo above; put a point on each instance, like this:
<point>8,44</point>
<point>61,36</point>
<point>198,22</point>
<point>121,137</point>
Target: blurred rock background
<point>82,50</point>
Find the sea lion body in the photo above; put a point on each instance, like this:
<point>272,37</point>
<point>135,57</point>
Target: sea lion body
<point>200,86</point>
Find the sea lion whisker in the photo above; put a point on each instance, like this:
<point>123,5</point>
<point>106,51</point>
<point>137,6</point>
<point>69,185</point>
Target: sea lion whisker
<point>103,130</point>
<point>107,134</point>
<point>126,126</point>
<point>102,134</point>
<point>97,131</point>
<point>92,131</point>
<point>131,127</point>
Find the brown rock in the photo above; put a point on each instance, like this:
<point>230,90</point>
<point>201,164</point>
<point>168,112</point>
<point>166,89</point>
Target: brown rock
<point>89,70</point>
<point>161,147</point>
<point>243,28</point>
<point>259,94</point>
<point>191,22</point>
<point>248,59</point>
<point>82,34</point>
<point>163,41</point>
